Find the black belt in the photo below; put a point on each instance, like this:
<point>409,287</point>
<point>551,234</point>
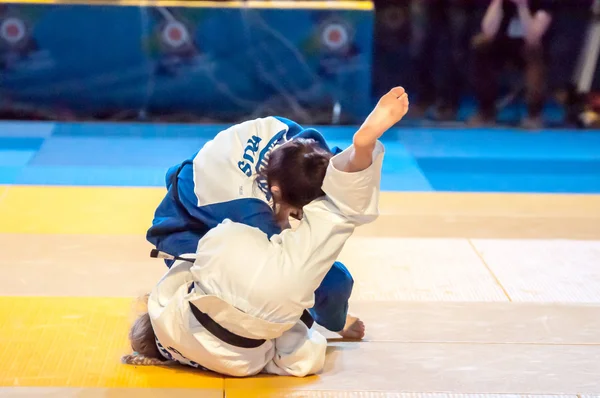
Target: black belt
<point>231,338</point>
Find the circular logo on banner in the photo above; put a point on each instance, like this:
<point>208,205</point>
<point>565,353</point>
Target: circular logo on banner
<point>12,30</point>
<point>175,34</point>
<point>335,36</point>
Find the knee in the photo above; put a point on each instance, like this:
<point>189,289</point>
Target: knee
<point>343,290</point>
<point>338,283</point>
<point>345,282</point>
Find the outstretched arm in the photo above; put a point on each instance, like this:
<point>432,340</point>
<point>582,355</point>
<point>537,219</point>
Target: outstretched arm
<point>352,188</point>
<point>351,185</point>
<point>390,109</point>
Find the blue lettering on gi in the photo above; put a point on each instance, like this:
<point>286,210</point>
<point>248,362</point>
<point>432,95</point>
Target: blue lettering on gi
<point>249,155</point>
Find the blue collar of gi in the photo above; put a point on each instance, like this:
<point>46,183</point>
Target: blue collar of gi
<point>311,133</point>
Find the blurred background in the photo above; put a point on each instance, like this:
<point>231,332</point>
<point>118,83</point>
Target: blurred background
<point>480,275</point>
<point>316,62</point>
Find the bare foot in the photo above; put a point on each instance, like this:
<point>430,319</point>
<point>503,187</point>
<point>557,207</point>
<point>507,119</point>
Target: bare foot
<point>354,328</point>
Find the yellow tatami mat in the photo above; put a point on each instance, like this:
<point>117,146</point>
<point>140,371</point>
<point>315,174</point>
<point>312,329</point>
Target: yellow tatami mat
<point>123,211</point>
<point>78,210</point>
<point>186,393</point>
<point>78,342</point>
<point>438,296</point>
<point>73,392</point>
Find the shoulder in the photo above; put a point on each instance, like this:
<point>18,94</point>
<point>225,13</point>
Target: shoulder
<point>270,126</point>
<point>261,133</point>
<point>261,128</point>
<point>242,145</point>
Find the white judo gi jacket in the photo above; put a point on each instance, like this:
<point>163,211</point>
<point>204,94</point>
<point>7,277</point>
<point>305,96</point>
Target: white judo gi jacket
<point>222,180</point>
<point>258,287</point>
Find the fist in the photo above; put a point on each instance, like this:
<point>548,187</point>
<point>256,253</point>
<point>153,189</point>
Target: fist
<point>390,109</point>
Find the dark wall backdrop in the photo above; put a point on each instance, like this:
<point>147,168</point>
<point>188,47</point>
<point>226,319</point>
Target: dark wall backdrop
<point>211,64</point>
<point>402,29</point>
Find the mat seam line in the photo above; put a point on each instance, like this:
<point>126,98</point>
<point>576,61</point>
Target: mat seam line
<point>489,270</point>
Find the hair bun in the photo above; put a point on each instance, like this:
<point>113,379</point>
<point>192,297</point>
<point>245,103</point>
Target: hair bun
<point>298,168</point>
<point>315,159</point>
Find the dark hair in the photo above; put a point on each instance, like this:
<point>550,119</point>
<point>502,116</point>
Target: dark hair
<point>143,343</point>
<point>298,167</point>
<point>143,339</point>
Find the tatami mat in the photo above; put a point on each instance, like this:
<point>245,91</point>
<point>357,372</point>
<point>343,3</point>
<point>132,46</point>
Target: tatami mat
<point>418,269</point>
<point>545,270</point>
<point>491,204</point>
<point>465,368</point>
<point>421,269</point>
<point>437,309</point>
<point>122,211</point>
<point>56,392</point>
<point>101,265</point>
<point>437,225</point>
<point>444,395</point>
<point>78,342</point>
<point>77,265</point>
<point>35,392</point>
<point>484,323</point>
<point>77,210</point>
<point>380,394</point>
<point>486,215</point>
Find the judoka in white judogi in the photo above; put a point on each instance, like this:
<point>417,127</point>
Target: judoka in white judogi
<point>239,308</point>
<point>221,181</point>
<point>258,288</point>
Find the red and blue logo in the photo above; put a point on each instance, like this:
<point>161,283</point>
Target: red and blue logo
<point>13,31</point>
<point>335,36</point>
<point>175,35</point>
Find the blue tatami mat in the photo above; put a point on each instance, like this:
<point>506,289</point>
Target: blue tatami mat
<point>421,159</point>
